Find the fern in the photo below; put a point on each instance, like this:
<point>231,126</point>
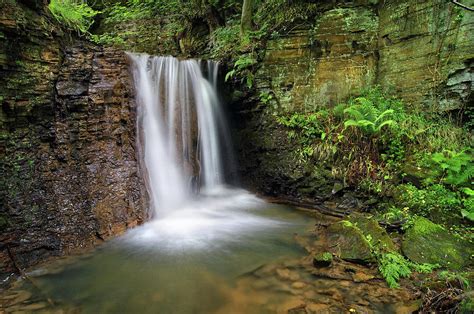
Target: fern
<point>468,210</point>
<point>393,266</point>
<point>366,116</point>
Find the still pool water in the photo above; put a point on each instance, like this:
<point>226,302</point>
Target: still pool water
<point>189,261</point>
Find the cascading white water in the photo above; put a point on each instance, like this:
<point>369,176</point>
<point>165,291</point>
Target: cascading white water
<point>180,128</point>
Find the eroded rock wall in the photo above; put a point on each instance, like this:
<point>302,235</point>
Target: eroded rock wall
<point>69,170</point>
<point>421,51</point>
<point>426,53</point>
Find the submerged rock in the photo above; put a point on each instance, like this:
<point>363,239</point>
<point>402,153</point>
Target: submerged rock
<point>427,242</point>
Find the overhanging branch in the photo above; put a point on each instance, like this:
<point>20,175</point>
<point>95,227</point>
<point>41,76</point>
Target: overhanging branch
<point>462,5</point>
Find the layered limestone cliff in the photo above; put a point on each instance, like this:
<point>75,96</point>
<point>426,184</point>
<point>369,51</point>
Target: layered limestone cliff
<point>70,177</point>
<point>420,51</point>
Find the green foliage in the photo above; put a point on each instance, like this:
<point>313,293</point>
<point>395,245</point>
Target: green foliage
<point>308,126</point>
<point>74,14</point>
<point>433,199</point>
<point>326,256</point>
<point>393,266</point>
<point>457,167</point>
<point>450,276</point>
<point>108,39</point>
<point>468,202</point>
<point>265,97</point>
<point>395,214</point>
<point>279,16</point>
<point>224,41</point>
<point>365,115</point>
<point>243,69</point>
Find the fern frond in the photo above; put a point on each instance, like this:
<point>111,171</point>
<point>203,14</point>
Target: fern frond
<point>389,123</point>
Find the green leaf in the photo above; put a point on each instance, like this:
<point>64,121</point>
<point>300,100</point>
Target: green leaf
<point>229,75</point>
<point>468,191</point>
<point>386,123</point>
<point>467,214</point>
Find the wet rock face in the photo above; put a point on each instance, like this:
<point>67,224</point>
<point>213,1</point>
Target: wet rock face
<point>67,147</point>
<point>426,52</point>
<point>95,142</point>
<point>324,65</point>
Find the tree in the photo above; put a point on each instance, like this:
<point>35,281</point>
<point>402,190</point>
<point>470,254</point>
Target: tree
<point>246,20</point>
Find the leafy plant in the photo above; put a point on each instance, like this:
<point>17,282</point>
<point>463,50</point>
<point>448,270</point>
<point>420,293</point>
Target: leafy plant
<point>224,41</point>
<point>366,116</point>
<point>393,266</point>
<point>265,97</point>
<point>74,14</point>
<point>457,167</point>
<point>308,126</point>
<point>468,210</point>
<point>242,69</point>
<point>433,199</point>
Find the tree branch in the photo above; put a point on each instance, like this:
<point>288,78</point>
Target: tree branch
<point>462,5</point>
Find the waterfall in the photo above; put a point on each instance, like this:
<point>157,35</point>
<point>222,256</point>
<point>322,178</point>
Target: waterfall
<point>182,131</point>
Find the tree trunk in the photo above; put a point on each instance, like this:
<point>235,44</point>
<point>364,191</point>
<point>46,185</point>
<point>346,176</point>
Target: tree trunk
<point>246,20</point>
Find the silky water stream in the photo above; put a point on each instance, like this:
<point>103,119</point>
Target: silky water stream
<point>202,235</point>
<point>208,247</point>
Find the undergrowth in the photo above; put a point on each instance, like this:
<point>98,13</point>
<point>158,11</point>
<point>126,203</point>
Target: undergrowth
<point>419,163</point>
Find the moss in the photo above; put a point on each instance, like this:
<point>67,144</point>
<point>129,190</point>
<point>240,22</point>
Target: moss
<point>427,242</point>
<point>326,256</point>
<point>322,259</point>
<point>423,226</point>
<point>379,239</point>
<point>347,223</point>
<point>349,242</point>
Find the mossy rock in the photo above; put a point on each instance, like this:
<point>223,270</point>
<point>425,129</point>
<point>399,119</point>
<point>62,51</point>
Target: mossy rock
<point>374,233</point>
<point>427,242</point>
<point>322,259</point>
<point>348,242</point>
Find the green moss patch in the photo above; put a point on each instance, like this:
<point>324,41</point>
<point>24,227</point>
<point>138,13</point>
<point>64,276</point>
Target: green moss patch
<point>427,242</point>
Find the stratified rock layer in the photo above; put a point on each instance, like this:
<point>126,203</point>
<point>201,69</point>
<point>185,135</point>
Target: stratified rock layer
<point>67,122</point>
<point>421,51</point>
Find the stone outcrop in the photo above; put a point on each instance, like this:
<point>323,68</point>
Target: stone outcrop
<point>421,51</point>
<point>70,175</point>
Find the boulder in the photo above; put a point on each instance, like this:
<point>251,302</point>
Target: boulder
<point>346,241</point>
<point>374,233</point>
<point>355,240</point>
<point>427,242</point>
